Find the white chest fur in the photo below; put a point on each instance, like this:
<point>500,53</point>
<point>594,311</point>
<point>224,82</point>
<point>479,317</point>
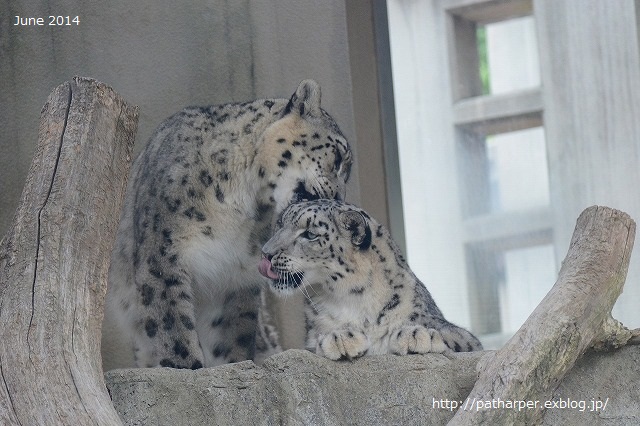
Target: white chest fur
<point>221,264</point>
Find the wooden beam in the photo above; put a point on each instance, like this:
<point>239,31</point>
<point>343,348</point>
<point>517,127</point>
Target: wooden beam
<point>494,114</point>
<point>527,227</point>
<point>55,257</point>
<point>488,11</point>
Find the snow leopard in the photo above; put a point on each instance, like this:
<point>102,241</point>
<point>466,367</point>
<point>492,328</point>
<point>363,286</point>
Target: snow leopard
<point>363,299</point>
<point>183,287</point>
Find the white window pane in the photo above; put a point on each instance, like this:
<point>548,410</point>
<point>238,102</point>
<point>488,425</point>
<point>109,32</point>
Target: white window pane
<point>518,171</point>
<point>529,275</point>
<point>512,54</point>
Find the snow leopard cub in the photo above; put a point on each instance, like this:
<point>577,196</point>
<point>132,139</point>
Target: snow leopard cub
<point>203,196</point>
<point>363,298</point>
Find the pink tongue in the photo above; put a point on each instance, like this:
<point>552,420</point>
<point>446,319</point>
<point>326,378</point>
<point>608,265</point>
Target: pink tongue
<point>265,269</point>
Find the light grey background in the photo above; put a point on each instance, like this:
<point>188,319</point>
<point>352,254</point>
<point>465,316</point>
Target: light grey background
<point>165,55</point>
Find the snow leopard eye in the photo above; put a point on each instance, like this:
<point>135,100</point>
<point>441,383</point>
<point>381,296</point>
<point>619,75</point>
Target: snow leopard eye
<point>309,235</point>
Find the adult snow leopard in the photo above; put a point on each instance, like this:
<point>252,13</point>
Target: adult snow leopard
<point>202,199</point>
<point>362,298</point>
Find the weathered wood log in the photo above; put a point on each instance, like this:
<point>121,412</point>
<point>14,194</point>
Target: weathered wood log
<point>573,317</point>
<point>54,260</point>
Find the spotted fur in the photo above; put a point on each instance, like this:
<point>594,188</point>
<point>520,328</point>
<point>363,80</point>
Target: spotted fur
<point>202,200</point>
<point>362,296</point>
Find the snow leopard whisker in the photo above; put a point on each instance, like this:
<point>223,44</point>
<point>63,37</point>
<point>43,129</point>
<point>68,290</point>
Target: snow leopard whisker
<point>317,187</point>
<point>305,292</point>
<point>305,284</point>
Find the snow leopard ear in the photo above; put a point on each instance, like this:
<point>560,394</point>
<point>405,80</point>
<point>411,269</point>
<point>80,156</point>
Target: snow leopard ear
<point>306,99</point>
<point>356,224</point>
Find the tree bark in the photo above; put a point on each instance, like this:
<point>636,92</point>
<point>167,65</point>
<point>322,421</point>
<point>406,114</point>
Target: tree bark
<point>574,316</point>
<point>55,257</point>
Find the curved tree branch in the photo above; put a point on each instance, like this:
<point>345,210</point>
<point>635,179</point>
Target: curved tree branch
<point>573,317</point>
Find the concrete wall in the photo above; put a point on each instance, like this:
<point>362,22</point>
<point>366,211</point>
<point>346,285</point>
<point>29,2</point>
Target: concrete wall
<point>163,56</point>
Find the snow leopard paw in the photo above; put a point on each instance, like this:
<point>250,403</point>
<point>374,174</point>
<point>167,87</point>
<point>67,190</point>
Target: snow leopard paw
<point>416,340</point>
<point>343,344</point>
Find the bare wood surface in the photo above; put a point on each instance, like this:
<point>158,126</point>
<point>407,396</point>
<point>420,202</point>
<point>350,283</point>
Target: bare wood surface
<point>54,260</point>
<point>574,316</point>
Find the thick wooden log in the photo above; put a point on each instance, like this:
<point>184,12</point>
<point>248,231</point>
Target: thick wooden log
<point>54,260</point>
<point>574,316</point>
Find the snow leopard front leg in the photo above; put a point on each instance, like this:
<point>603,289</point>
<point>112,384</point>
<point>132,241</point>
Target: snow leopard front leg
<point>166,326</point>
<point>267,338</point>
<point>228,328</point>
